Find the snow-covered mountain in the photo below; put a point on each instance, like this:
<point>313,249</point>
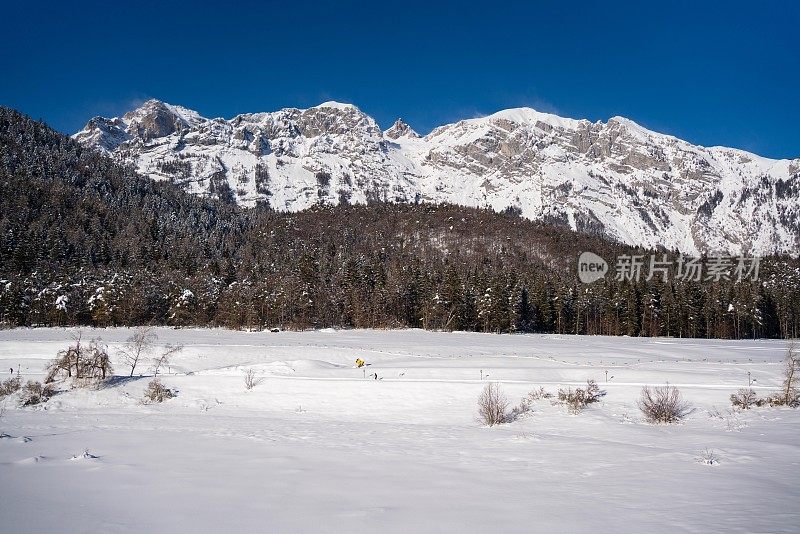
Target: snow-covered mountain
<point>614,178</point>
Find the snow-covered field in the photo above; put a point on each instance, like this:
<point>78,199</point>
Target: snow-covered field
<point>317,447</point>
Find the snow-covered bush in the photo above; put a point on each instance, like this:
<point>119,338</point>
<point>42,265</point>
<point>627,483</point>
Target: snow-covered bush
<point>492,405</point>
<point>157,392</point>
<point>577,399</point>
<point>663,404</point>
<point>9,386</point>
<point>35,393</point>
<point>745,398</point>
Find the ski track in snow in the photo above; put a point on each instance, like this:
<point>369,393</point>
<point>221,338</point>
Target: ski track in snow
<point>316,447</point>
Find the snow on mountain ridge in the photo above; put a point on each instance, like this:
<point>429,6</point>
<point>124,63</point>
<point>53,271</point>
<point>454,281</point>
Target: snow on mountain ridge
<point>336,105</point>
<point>615,178</point>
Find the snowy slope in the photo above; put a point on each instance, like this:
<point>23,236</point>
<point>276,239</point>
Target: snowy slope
<point>316,447</point>
<point>614,178</point>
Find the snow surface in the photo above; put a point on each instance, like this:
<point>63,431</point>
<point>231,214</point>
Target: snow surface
<point>317,447</point>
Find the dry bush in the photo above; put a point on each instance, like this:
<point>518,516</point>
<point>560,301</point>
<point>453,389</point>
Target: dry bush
<point>492,405</point>
<point>157,392</point>
<point>525,405</point>
<point>251,380</point>
<point>663,404</point>
<point>576,400</point>
<point>538,394</point>
<point>744,399</point>
<point>9,386</point>
<point>780,399</point>
<point>708,457</point>
<point>35,393</point>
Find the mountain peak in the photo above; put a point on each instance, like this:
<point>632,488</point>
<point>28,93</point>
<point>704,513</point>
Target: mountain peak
<point>531,116</point>
<point>154,107</point>
<point>337,105</point>
<point>400,129</point>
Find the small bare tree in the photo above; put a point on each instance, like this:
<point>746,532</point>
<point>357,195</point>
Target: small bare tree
<point>492,405</point>
<point>137,346</point>
<point>663,404</point>
<point>162,360</point>
<point>789,395</point>
<point>251,380</point>
<point>84,363</point>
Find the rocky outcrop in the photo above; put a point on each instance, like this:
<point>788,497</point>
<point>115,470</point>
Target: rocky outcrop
<point>400,129</point>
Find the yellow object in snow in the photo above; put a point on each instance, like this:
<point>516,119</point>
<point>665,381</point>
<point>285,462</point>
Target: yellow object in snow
<point>359,362</point>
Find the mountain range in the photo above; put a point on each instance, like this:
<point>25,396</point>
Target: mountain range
<point>615,178</point>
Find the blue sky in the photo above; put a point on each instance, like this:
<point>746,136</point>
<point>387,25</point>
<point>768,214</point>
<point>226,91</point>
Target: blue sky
<point>724,73</point>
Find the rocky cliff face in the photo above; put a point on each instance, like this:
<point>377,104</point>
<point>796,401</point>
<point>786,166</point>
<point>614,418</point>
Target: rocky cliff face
<point>614,178</point>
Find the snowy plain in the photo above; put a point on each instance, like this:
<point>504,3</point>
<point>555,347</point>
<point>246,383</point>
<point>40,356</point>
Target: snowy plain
<point>318,446</point>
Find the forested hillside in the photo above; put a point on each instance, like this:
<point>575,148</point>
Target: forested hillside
<point>86,241</point>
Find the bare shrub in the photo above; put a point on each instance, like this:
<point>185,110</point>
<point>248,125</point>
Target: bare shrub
<point>137,346</point>
<point>157,392</point>
<point>35,393</point>
<point>9,386</point>
<point>2,413</point>
<point>492,405</point>
<point>663,404</point>
<point>86,364</point>
<point>778,399</point>
<point>538,394</point>
<point>731,416</point>
<point>525,405</point>
<point>744,399</point>
<point>523,408</point>
<point>251,380</point>
<point>708,457</point>
<point>576,400</point>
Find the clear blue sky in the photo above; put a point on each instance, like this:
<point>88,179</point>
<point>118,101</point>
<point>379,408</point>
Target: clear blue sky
<point>725,73</point>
